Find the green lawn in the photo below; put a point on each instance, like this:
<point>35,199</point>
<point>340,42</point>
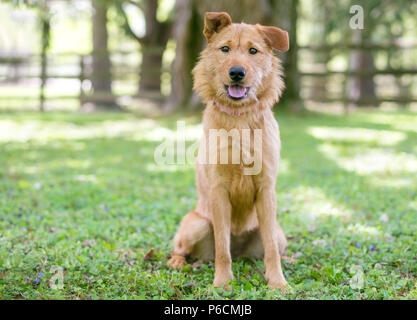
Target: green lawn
<point>82,192</point>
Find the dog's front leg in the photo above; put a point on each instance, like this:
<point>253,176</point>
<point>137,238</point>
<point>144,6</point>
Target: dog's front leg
<point>266,213</point>
<point>222,211</point>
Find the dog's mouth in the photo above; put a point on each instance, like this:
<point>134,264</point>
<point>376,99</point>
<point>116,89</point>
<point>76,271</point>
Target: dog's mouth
<point>236,92</point>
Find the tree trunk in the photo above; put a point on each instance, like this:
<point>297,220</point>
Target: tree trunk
<point>292,78</point>
<point>101,78</point>
<point>188,33</point>
<point>317,87</point>
<point>153,45</point>
<point>150,73</point>
<point>361,88</point>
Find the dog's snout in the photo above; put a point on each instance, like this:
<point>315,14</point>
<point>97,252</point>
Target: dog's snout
<point>237,73</point>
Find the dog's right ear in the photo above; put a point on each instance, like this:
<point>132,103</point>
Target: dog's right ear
<point>275,37</point>
<point>214,22</point>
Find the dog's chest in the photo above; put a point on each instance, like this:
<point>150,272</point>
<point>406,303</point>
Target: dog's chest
<point>242,192</point>
<point>258,149</point>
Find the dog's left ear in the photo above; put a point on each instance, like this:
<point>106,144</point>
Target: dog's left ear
<point>214,22</point>
<point>275,37</point>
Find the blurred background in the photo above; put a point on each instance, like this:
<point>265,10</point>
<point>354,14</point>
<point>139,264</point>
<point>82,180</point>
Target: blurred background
<point>138,54</point>
<point>80,189</point>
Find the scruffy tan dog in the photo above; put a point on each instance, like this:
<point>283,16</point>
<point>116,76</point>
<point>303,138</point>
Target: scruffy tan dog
<point>239,79</point>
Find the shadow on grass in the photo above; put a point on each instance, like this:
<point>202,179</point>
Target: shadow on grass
<point>312,167</point>
<point>110,189</point>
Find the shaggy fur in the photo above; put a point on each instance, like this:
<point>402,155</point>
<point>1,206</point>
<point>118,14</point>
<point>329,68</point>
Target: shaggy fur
<point>235,214</point>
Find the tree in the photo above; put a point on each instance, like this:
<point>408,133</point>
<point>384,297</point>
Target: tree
<point>45,21</point>
<point>44,15</point>
<point>292,79</point>
<point>187,32</point>
<point>360,89</point>
<point>101,77</point>
<point>320,58</point>
<point>152,44</point>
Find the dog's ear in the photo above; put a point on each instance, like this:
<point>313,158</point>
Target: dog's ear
<point>275,37</point>
<point>214,22</point>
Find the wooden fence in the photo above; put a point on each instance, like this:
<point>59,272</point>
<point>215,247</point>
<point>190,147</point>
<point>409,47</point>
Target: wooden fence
<point>17,71</point>
<point>128,70</point>
<point>349,74</point>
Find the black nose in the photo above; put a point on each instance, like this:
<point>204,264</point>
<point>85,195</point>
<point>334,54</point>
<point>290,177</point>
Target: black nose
<point>237,73</point>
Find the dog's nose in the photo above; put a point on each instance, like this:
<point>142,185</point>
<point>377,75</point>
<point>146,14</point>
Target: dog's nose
<point>237,73</point>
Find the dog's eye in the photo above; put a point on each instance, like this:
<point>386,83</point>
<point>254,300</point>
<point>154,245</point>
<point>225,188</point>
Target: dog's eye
<point>225,49</point>
<point>253,51</point>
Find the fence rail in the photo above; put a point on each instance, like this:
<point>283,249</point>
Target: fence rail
<point>400,44</point>
<point>393,46</point>
<point>14,70</point>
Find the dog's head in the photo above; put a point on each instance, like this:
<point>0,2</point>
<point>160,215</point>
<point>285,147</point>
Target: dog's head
<point>238,67</point>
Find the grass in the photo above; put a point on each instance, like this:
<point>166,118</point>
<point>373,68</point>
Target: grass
<point>82,192</point>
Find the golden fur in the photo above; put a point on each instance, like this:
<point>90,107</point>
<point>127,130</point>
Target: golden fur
<point>235,213</point>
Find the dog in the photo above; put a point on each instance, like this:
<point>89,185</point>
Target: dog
<point>239,79</point>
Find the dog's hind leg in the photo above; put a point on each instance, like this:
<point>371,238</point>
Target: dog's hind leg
<point>282,241</point>
<point>253,246</point>
<point>193,228</point>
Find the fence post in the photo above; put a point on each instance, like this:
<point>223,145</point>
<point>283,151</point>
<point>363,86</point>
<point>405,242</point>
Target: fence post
<point>44,62</point>
<point>82,78</point>
<point>43,81</point>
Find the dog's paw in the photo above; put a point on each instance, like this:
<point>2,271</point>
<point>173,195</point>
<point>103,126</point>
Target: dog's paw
<point>281,285</point>
<point>223,285</point>
<point>177,262</point>
<point>221,280</point>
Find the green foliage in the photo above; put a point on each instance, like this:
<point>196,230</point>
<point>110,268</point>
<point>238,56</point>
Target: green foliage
<point>44,15</point>
<point>379,15</point>
<point>83,192</point>
<point>27,3</point>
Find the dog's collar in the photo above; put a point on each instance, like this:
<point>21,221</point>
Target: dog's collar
<point>234,112</point>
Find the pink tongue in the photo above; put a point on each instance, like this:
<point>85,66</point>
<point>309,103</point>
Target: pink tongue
<point>236,91</point>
